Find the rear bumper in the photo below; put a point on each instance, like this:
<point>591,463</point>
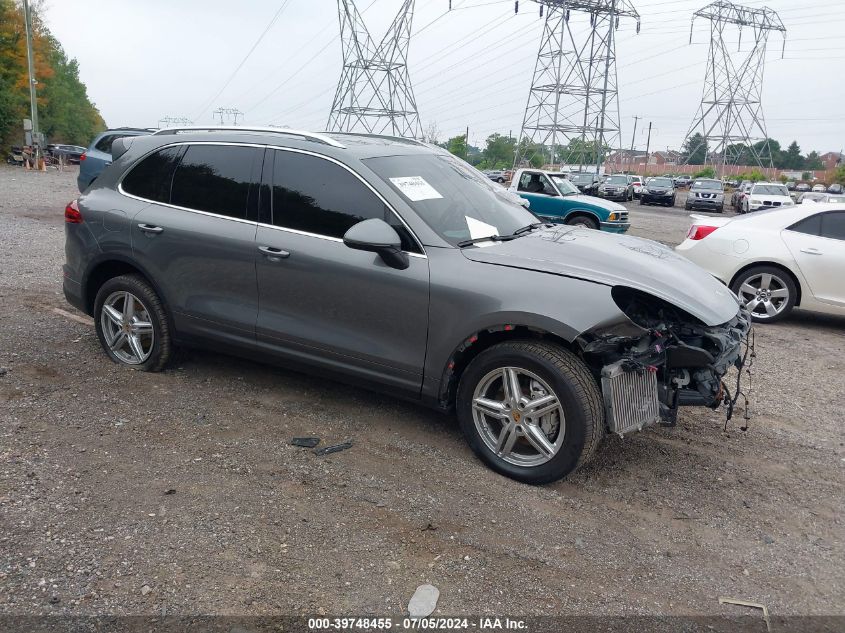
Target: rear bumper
<point>73,291</point>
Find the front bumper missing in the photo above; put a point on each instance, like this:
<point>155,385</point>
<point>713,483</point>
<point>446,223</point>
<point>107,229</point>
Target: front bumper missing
<point>651,382</point>
<point>630,398</point>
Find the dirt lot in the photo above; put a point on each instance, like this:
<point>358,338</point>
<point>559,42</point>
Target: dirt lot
<point>131,493</point>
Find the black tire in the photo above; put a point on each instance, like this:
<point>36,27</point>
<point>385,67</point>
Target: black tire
<point>672,204</point>
<point>721,209</point>
<point>642,202</point>
<point>687,207</point>
<point>162,347</point>
<point>781,278</point>
<point>575,388</point>
<point>582,220</point>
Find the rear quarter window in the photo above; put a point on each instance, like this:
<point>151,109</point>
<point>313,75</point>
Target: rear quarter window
<point>105,143</point>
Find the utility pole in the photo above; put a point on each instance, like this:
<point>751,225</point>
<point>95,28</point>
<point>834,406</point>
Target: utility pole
<point>647,147</point>
<point>36,137</point>
<point>466,146</point>
<point>633,138</point>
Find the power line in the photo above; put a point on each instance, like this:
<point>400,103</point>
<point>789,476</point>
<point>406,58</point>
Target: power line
<point>244,60</point>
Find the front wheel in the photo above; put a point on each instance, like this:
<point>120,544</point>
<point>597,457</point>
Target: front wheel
<point>583,221</point>
<point>131,323</point>
<point>531,411</point>
<point>768,293</point>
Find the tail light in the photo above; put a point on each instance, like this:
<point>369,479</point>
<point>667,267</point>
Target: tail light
<point>699,232</point>
<point>72,214</point>
<point>83,157</point>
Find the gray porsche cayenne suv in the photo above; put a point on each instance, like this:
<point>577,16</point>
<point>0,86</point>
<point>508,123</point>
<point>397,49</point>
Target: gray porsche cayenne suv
<point>392,264</point>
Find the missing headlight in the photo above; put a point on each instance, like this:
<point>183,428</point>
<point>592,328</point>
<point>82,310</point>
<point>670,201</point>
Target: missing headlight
<point>649,312</point>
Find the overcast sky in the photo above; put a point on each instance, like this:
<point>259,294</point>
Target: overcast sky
<point>472,66</point>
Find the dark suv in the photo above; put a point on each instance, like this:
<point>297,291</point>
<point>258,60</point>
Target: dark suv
<point>392,264</point>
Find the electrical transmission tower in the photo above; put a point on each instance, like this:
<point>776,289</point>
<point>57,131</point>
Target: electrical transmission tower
<point>374,93</point>
<point>226,114</point>
<point>572,114</point>
<point>173,121</point>
<point>730,117</point>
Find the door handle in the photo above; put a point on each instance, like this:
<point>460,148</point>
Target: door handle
<point>811,251</point>
<point>149,228</point>
<point>273,253</point>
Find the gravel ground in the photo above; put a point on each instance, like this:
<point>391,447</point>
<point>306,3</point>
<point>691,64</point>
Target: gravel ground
<point>130,493</point>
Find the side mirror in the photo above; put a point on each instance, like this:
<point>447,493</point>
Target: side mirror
<point>377,236</point>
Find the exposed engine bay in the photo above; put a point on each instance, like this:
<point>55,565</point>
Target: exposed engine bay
<point>676,360</point>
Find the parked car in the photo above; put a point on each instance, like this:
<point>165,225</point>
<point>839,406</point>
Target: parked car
<point>741,195</point>
<point>776,260</point>
<point>766,195</point>
<point>659,190</point>
<point>813,197</point>
<point>616,188</point>
<point>790,185</point>
<point>553,198</point>
<point>682,181</point>
<point>737,193</point>
<point>70,153</point>
<point>706,193</point>
<point>496,175</point>
<point>802,186</point>
<point>638,185</point>
<point>98,155</point>
<point>819,187</point>
<point>15,156</point>
<point>835,188</point>
<point>444,288</point>
<point>586,182</point>
<point>733,184</point>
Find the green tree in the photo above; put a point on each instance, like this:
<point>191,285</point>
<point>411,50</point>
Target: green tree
<point>707,172</point>
<point>806,175</point>
<point>813,161</point>
<point>65,112</point>
<point>839,175</point>
<point>694,151</point>
<point>457,145</point>
<point>498,154</point>
<point>792,158</point>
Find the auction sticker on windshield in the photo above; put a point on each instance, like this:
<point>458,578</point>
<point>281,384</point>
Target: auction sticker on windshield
<point>415,188</point>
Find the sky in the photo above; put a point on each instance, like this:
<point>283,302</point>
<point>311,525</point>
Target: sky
<point>471,66</point>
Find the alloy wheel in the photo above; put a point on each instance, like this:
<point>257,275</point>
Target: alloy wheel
<point>764,295</point>
<point>518,416</point>
<point>127,327</point>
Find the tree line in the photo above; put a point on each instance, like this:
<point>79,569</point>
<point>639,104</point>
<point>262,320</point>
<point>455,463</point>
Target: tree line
<point>65,113</point>
<point>695,151</point>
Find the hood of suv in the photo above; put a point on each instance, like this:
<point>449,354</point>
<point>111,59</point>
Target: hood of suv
<point>615,260</point>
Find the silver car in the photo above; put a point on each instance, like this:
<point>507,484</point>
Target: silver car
<point>706,193</point>
<point>394,265</point>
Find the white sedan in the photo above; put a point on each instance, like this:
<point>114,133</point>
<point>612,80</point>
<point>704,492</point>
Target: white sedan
<point>777,259</point>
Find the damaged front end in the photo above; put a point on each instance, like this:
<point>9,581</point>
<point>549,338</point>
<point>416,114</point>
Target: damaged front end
<point>662,358</point>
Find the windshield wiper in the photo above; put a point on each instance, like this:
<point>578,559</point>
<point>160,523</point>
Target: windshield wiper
<point>495,238</point>
<point>526,229</point>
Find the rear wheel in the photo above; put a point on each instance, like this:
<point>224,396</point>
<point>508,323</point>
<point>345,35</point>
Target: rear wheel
<point>582,220</point>
<point>768,293</point>
<point>131,323</point>
<point>530,411</point>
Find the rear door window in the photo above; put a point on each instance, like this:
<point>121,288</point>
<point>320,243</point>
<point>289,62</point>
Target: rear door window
<point>152,177</point>
<point>809,226</point>
<point>215,179</point>
<point>314,195</point>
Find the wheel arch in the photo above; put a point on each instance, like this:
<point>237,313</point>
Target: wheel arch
<point>583,212</point>
<point>108,266</point>
<point>477,342</point>
<point>777,265</point>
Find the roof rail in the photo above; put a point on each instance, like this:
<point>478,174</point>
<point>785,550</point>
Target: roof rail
<point>311,136</point>
<point>387,137</point>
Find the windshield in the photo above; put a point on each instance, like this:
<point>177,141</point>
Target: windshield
<point>770,190</point>
<point>565,187</point>
<point>836,198</point>
<point>707,184</point>
<point>454,199</point>
<point>616,180</point>
<point>660,182</point>
<point>581,178</point>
